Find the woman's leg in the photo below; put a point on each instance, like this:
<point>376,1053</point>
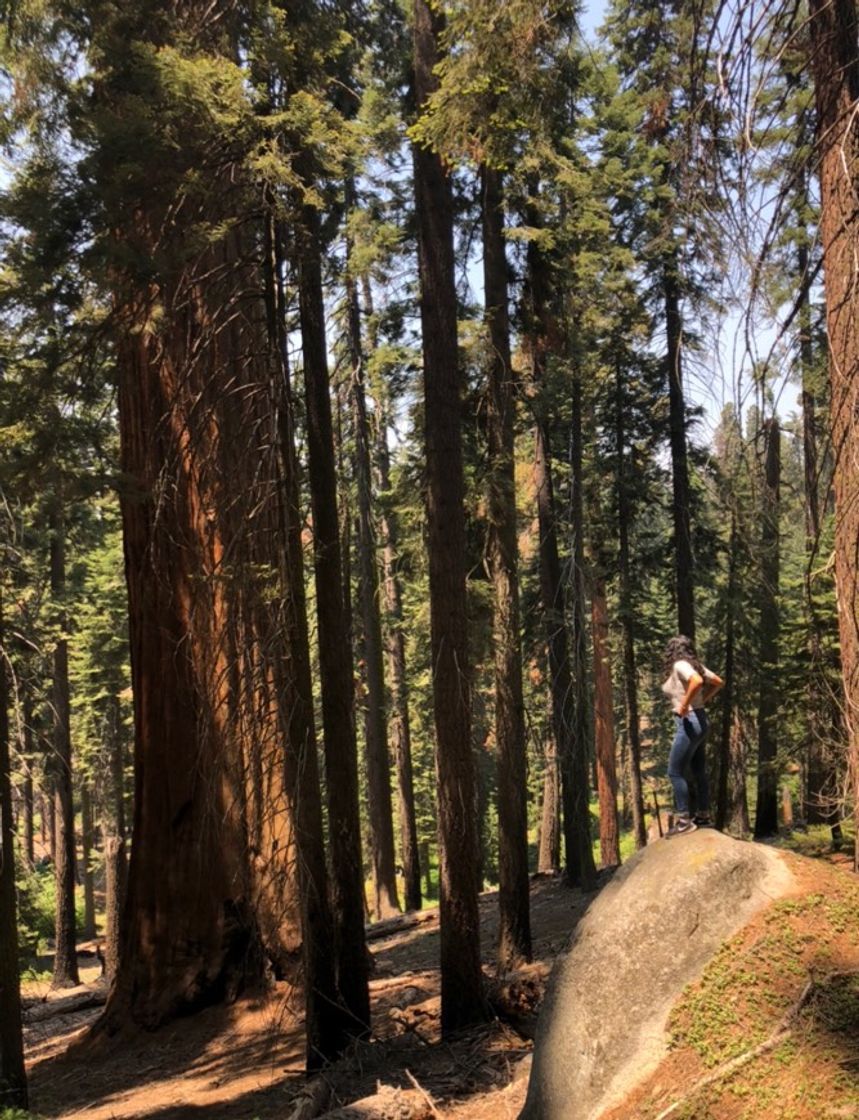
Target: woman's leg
<point>677,760</point>
<point>698,759</point>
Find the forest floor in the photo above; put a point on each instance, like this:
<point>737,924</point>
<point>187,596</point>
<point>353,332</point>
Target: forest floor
<point>245,1061</point>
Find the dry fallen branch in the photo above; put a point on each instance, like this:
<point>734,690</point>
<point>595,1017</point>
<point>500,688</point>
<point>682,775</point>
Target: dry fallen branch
<point>782,1031</point>
<point>426,1095</point>
<point>387,1103</point>
<point>311,1100</point>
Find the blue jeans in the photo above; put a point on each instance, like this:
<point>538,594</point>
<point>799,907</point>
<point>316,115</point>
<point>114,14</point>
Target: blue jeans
<point>688,750</point>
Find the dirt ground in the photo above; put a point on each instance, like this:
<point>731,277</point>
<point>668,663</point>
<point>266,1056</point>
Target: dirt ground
<point>244,1062</point>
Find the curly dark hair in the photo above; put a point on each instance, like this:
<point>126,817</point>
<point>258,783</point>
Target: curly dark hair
<point>681,648</point>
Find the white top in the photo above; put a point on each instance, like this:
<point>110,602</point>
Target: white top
<point>678,681</point>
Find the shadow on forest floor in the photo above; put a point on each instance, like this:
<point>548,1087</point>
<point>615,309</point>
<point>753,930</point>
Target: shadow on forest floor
<point>245,1061</point>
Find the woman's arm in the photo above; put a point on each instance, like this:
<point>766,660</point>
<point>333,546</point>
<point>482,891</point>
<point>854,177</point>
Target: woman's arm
<point>695,682</point>
<point>711,686</point>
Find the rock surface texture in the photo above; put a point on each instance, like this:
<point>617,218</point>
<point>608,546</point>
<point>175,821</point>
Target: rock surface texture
<point>647,935</point>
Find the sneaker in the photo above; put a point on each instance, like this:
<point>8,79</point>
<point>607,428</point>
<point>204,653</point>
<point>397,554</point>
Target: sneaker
<point>703,820</point>
<point>681,826</point>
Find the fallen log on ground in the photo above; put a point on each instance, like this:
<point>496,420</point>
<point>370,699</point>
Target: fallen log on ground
<point>68,1005</point>
<point>399,924</point>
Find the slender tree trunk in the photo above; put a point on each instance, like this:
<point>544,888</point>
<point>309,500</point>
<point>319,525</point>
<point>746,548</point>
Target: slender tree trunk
<point>684,564</point>
<point>333,943</point>
<point>579,865</point>
<point>52,819</point>
<point>341,763</point>
<point>583,728</point>
<point>627,620</point>
<point>378,762</point>
<point>604,727</point>
<point>737,820</point>
<point>46,830</point>
<point>723,788</point>
<point>115,863</point>
<point>28,792</point>
<point>766,813</point>
<point>114,895</point>
<point>514,934</point>
<point>88,929</point>
<point>835,64</point>
<point>395,645</point>
<point>116,768</point>
<point>13,1079</point>
<point>549,854</point>
<point>65,956</point>
<point>462,1000</point>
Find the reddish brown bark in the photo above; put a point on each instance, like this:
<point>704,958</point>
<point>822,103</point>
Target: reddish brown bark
<point>835,62</point>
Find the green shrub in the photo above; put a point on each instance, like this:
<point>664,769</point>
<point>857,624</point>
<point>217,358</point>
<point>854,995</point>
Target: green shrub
<point>36,905</point>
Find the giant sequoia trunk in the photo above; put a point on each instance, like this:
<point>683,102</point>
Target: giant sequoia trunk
<point>514,937</point>
<point>821,784</point>
<point>462,1000</point>
<point>65,956</point>
<point>835,61</point>
<point>227,864</point>
<point>205,724</point>
<point>13,1080</point>
<point>766,813</point>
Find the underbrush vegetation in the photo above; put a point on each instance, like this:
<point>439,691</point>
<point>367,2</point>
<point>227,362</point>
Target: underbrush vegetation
<point>36,894</point>
<point>775,1017</point>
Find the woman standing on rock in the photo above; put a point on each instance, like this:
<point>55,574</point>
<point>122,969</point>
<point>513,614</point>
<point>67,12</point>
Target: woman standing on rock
<point>689,686</point>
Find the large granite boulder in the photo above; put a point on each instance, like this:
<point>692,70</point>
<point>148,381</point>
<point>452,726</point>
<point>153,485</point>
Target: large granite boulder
<point>648,934</point>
